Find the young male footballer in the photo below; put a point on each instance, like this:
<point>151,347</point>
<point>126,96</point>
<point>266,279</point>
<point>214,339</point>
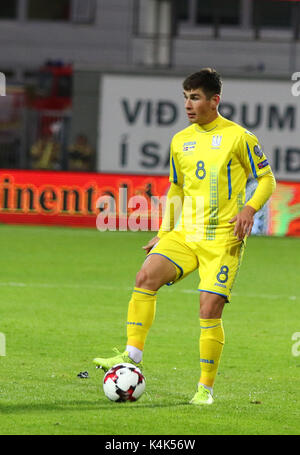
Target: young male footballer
<point>205,226</point>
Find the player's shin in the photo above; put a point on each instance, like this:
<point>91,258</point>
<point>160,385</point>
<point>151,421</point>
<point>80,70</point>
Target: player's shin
<point>141,314</point>
<point>211,345</point>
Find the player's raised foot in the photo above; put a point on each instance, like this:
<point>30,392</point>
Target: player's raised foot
<point>120,357</point>
<point>202,396</point>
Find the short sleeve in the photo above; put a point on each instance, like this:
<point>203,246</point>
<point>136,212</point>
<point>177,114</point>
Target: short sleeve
<point>176,175</point>
<point>252,155</point>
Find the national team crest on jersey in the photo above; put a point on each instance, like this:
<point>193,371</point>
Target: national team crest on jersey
<point>216,142</point>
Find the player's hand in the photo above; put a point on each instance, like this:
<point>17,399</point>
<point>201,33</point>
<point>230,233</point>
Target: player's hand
<point>243,222</point>
<point>151,244</point>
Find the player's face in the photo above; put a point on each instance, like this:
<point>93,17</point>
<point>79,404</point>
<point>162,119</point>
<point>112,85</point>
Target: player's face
<point>199,108</point>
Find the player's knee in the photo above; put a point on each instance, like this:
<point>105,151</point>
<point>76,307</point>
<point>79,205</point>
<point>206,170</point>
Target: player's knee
<point>145,280</point>
<point>211,305</point>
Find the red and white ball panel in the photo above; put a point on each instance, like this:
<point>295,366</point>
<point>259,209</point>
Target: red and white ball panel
<point>124,382</point>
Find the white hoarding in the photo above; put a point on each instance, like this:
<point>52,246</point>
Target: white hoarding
<point>140,114</point>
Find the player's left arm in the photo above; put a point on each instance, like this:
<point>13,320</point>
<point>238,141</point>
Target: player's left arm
<point>245,218</point>
<point>255,162</point>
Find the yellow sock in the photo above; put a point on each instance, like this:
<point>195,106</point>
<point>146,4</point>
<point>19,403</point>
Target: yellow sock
<point>211,345</point>
<point>141,313</point>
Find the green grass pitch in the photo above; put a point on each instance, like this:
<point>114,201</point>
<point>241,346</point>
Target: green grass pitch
<point>64,296</point>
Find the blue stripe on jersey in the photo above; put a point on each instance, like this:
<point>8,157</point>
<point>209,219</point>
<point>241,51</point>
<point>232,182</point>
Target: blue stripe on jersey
<point>251,162</point>
<point>229,179</point>
<point>174,171</point>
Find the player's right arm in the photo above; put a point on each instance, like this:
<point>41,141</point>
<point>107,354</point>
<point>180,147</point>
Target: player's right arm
<point>172,213</point>
<point>174,201</point>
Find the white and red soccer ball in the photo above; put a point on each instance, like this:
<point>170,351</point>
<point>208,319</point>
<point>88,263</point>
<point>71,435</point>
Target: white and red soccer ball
<point>124,382</point>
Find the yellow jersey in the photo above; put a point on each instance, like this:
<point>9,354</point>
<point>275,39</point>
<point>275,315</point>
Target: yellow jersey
<point>212,163</point>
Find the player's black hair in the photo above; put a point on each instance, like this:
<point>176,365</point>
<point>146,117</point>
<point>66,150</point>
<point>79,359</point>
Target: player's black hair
<point>207,79</point>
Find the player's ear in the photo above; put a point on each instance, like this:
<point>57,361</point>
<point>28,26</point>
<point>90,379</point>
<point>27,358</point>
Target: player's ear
<point>215,100</point>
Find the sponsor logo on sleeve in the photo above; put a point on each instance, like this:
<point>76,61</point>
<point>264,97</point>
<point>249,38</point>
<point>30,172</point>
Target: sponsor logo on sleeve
<point>263,164</point>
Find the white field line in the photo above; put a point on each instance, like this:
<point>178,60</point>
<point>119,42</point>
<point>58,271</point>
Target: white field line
<point>113,289</point>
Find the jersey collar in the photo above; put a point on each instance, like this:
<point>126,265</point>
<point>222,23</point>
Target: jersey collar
<point>208,126</point>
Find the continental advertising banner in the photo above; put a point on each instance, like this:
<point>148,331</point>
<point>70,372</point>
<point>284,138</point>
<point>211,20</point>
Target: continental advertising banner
<point>81,199</point>
<point>119,202</point>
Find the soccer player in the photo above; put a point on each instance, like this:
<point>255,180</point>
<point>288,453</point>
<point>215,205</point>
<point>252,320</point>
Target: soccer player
<point>204,227</point>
